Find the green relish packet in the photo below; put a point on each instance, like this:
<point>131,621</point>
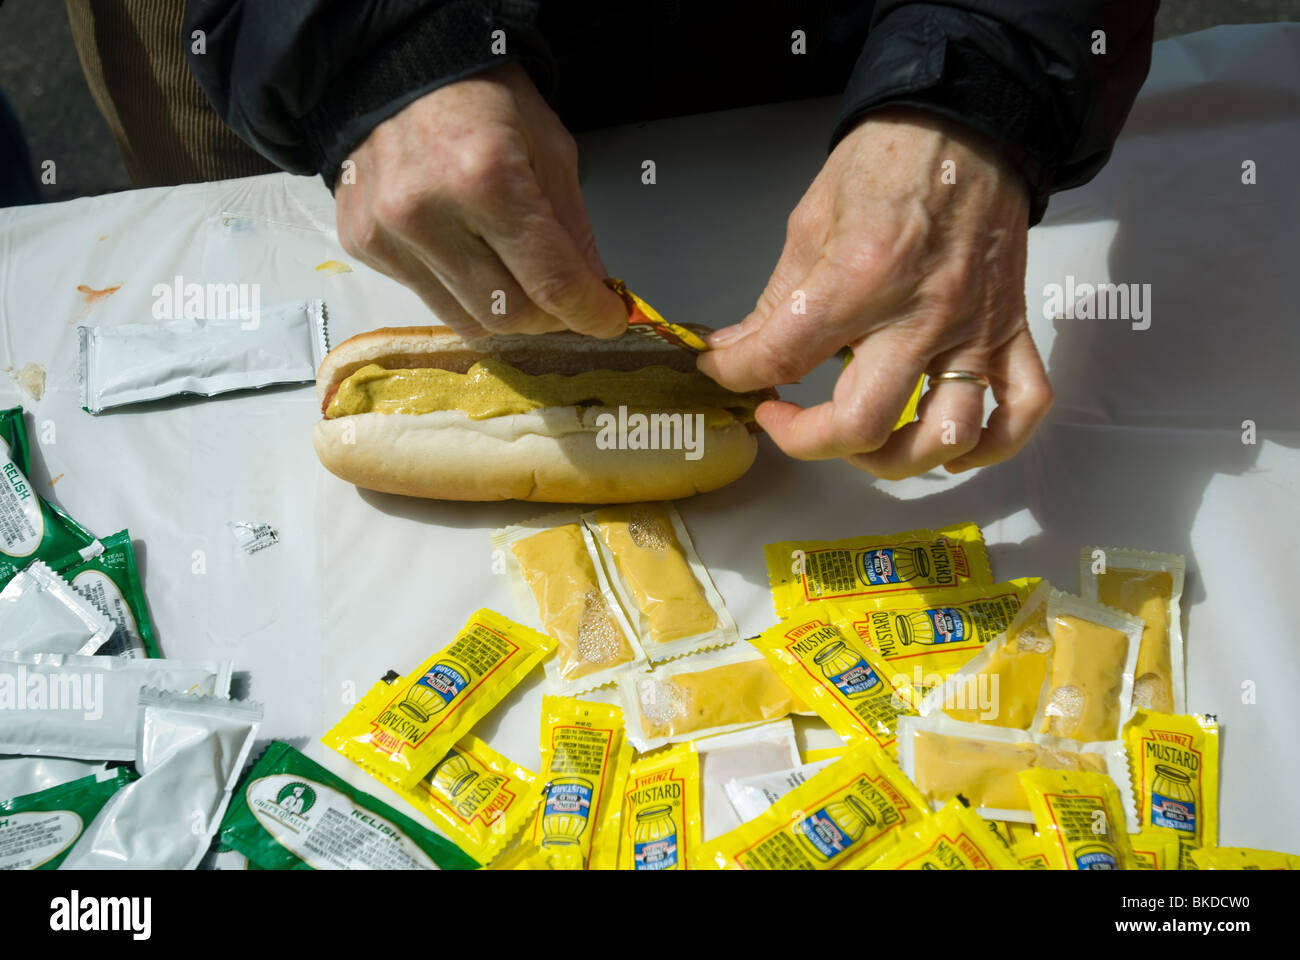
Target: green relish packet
<point>111,580</point>
<point>37,831</point>
<point>31,528</point>
<point>290,813</point>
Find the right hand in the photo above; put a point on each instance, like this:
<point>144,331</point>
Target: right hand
<point>471,192</point>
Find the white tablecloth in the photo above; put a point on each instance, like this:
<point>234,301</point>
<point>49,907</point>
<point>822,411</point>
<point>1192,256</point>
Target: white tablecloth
<point>1144,447</point>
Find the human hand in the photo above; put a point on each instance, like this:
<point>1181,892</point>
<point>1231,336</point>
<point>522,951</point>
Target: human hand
<point>915,275</point>
<point>470,197</point>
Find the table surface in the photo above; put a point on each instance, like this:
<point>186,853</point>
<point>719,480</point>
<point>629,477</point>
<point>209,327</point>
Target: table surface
<point>1144,447</point>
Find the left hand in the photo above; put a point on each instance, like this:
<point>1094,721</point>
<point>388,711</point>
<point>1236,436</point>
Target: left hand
<point>916,276</point>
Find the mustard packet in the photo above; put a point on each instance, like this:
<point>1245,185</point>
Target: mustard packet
<point>1242,858</point>
<point>1175,767</point>
<point>661,811</point>
<point>946,758</point>
<point>929,636</point>
<point>1080,819</point>
<point>818,754</point>
<point>1089,691</point>
<point>562,589</point>
<point>526,855</point>
<point>703,694</point>
<point>937,561</point>
<point>1148,586</point>
<point>399,732</point>
<point>1065,667</point>
<point>645,318</point>
<point>955,838</point>
<point>843,818</point>
<point>1026,846</point>
<point>585,761</point>
<point>913,401</point>
<point>477,797</point>
<point>1156,848</point>
<point>838,675</point>
<point>1002,684</point>
<point>661,582</point>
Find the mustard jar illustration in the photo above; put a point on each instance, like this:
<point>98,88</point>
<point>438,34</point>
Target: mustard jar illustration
<point>1173,804</point>
<point>930,627</point>
<point>434,691</point>
<point>655,839</point>
<point>565,813</point>
<point>1095,856</point>
<point>894,565</point>
<point>836,827</point>
<point>849,672</point>
<point>453,775</point>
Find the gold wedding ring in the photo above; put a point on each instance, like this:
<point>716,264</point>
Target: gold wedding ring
<point>966,376</point>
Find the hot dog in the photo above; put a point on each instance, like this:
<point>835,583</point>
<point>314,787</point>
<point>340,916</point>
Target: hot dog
<point>556,417</point>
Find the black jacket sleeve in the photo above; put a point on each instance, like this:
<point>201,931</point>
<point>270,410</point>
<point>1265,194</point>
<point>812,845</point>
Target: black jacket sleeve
<point>305,81</point>
<point>1022,72</point>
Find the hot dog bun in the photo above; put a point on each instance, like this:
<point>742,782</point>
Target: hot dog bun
<point>548,454</point>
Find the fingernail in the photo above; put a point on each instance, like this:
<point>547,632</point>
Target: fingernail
<point>720,338</point>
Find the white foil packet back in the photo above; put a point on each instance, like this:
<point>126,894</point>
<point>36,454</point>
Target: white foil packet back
<point>191,752</point>
<point>751,796</point>
<point>137,362</point>
<point>731,756</point>
<point>20,776</point>
<point>85,707</point>
<point>40,611</point>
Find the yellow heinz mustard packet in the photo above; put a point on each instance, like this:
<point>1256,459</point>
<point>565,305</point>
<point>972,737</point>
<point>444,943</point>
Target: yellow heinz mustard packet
<point>817,754</point>
<point>660,580</point>
<point>1026,847</point>
<point>562,588</point>
<point>703,694</point>
<point>643,317</point>
<point>1155,848</point>
<point>479,798</point>
<point>1148,586</point>
<point>955,838</point>
<point>844,817</point>
<point>661,811</point>
<point>1080,819</point>
<point>929,636</point>
<point>946,758</point>
<point>937,561</point>
<point>1175,767</point>
<point>399,732</point>
<point>526,855</point>
<point>1243,858</point>
<point>838,675</point>
<point>585,761</point>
